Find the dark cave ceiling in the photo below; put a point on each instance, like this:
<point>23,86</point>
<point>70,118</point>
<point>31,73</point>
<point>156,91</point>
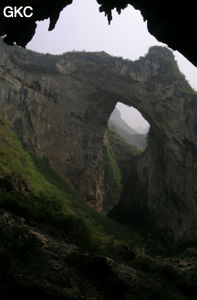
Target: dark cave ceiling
<point>174,25</point>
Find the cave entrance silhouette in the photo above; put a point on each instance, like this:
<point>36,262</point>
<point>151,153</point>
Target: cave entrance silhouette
<point>129,123</point>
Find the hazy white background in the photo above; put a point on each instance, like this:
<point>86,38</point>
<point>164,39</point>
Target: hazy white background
<point>82,27</point>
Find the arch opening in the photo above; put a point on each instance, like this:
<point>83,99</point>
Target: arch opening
<point>130,125</point>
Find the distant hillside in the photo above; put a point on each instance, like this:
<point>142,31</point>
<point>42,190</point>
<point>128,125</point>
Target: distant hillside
<point>117,121</point>
<point>142,130</point>
<point>131,136</point>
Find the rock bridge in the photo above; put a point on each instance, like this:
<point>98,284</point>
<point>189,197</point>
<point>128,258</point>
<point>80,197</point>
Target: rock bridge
<point>60,106</point>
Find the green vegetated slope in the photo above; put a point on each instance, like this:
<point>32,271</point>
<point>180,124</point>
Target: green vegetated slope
<point>125,157</point>
<point>138,140</point>
<point>51,200</point>
<point>53,203</point>
<point>121,160</point>
<point>120,146</point>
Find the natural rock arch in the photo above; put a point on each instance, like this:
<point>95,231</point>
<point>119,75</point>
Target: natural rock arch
<point>60,105</point>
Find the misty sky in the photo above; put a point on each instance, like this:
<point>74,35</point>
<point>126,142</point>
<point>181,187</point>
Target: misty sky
<point>82,27</point>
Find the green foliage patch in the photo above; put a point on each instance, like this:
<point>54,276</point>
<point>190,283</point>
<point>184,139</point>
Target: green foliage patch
<point>51,200</point>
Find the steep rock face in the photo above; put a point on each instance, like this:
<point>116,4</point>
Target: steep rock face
<point>60,106</point>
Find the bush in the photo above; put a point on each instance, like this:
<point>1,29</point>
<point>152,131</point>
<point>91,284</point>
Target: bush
<point>50,210</point>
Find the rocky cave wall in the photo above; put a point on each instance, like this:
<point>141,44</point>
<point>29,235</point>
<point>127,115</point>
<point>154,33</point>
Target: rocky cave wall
<point>60,106</point>
<point>20,30</point>
<point>174,25</point>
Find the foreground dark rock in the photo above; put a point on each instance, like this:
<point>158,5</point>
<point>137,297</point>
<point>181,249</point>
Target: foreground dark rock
<point>60,106</point>
<point>14,183</point>
<point>35,263</point>
<point>66,271</point>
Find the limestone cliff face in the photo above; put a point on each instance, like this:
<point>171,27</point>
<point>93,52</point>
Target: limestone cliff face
<point>60,106</point>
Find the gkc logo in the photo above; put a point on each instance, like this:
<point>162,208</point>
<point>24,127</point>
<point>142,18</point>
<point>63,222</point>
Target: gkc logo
<point>14,11</point>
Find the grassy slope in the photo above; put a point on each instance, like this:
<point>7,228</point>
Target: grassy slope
<point>51,200</point>
<point>55,204</point>
<point>137,140</point>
